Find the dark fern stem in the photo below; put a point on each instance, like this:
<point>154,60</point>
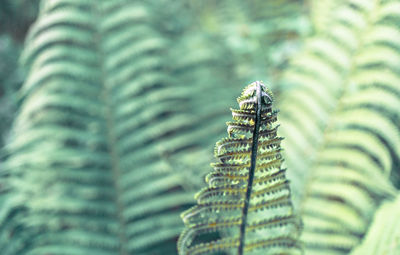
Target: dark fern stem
<point>254,146</point>
<point>246,208</point>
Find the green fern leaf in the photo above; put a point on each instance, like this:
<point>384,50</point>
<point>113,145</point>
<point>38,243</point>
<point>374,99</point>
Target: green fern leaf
<point>322,12</point>
<point>201,70</point>
<point>247,200</point>
<point>340,118</point>
<point>383,237</point>
<point>86,162</point>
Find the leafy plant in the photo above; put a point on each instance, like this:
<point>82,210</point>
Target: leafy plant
<point>383,236</point>
<point>247,200</point>
<point>123,98</point>
<point>338,115</point>
<point>84,129</point>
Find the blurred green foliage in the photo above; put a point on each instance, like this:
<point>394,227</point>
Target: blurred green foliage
<point>16,16</point>
<point>10,79</point>
<point>15,19</point>
<point>110,109</point>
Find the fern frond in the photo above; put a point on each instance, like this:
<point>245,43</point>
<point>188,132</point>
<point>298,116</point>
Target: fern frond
<point>203,68</point>
<point>247,200</point>
<point>99,108</point>
<point>324,73</point>
<point>322,13</point>
<point>340,118</point>
<point>383,236</point>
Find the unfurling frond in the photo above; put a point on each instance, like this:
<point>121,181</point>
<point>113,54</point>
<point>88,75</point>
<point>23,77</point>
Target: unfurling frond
<point>246,207</point>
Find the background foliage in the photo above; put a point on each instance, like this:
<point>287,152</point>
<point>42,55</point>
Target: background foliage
<point>109,112</point>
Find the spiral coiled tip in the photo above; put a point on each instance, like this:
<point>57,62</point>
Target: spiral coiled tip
<point>248,98</point>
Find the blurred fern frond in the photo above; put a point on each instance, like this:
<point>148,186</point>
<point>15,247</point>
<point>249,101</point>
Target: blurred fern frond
<point>247,201</point>
<point>340,120</point>
<point>383,236</point>
<point>202,69</point>
<point>325,73</point>
<point>15,18</point>
<point>322,12</point>
<point>86,161</point>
